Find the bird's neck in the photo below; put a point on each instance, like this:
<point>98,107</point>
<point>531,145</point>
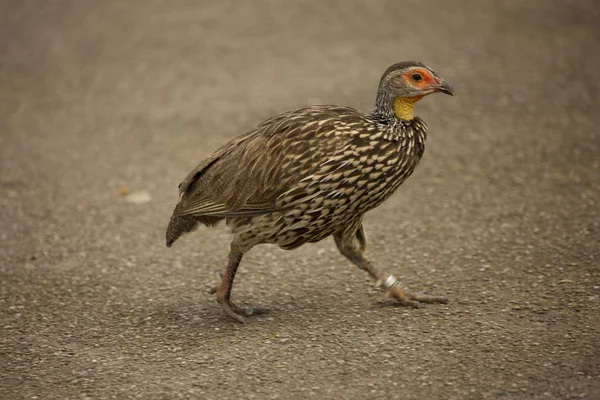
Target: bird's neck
<point>389,107</point>
<point>404,107</point>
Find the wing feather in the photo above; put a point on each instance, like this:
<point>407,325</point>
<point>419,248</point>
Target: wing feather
<point>246,176</point>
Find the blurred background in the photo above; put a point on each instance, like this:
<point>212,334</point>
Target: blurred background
<point>105,107</point>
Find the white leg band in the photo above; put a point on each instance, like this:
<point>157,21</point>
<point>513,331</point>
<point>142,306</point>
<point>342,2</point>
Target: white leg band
<point>389,282</point>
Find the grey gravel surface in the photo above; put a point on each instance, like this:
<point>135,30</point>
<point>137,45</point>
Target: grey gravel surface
<point>502,215</point>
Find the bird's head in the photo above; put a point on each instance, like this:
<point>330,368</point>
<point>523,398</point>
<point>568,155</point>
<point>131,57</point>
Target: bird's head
<point>405,83</point>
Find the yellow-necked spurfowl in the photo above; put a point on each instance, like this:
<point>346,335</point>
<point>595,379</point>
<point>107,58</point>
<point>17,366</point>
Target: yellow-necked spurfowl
<point>304,175</point>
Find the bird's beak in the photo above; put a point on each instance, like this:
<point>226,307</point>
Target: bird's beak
<point>444,87</point>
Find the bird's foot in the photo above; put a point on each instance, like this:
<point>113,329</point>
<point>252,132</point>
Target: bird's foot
<point>394,289</point>
<point>238,313</point>
<point>235,312</point>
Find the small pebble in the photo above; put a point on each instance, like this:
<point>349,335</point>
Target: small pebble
<point>140,197</point>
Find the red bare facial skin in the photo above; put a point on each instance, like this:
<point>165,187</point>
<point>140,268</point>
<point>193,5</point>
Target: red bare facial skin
<point>427,79</point>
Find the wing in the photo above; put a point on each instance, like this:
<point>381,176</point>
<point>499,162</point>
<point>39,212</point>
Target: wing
<point>247,176</point>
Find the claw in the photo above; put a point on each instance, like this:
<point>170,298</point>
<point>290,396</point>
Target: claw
<point>226,306</point>
<point>253,311</point>
<point>237,313</point>
<point>408,298</point>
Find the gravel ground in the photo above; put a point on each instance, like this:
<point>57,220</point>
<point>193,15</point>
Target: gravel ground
<point>502,215</point>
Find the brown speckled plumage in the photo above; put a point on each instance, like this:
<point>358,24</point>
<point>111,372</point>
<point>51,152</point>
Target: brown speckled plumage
<point>307,174</point>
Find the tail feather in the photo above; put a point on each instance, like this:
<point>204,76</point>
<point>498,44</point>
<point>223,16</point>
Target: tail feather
<point>178,225</point>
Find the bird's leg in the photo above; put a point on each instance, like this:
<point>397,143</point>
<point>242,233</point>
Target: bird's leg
<point>213,289</point>
<point>224,289</point>
<point>351,245</point>
<point>362,239</point>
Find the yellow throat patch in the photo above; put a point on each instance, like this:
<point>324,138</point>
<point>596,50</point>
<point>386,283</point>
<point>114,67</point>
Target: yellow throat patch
<point>404,107</point>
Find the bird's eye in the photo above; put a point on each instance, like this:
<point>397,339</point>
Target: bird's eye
<point>416,77</point>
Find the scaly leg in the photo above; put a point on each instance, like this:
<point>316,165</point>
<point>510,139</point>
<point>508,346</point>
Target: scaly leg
<point>352,242</point>
<point>224,289</point>
<point>214,289</point>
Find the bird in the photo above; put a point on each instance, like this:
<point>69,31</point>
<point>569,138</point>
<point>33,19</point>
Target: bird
<point>310,173</point>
